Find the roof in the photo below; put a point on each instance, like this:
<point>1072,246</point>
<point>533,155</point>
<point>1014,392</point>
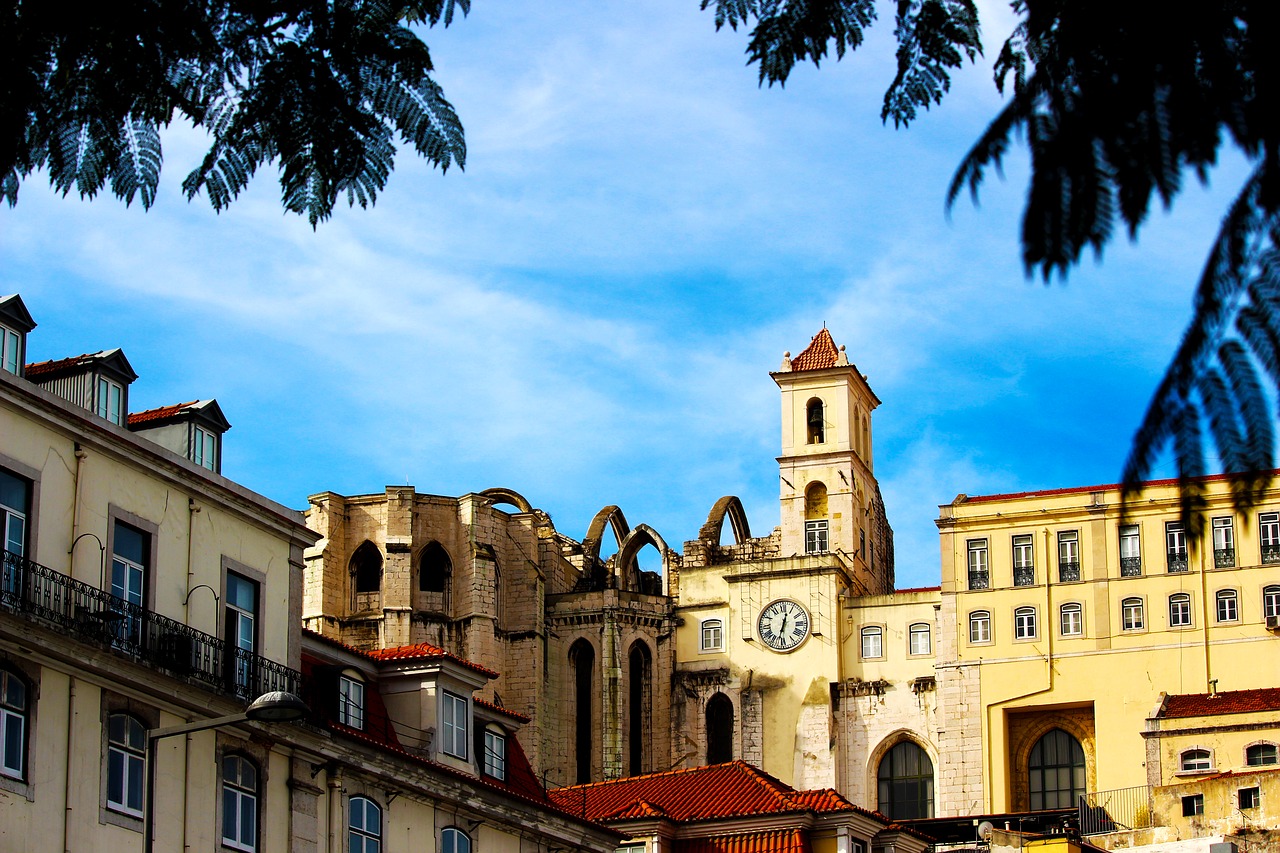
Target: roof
<point>506,712</point>
<point>821,353</point>
<point>162,413</point>
<point>1108,487</point>
<point>917,589</point>
<point>770,841</point>
<point>154,417</point>
<point>1225,702</point>
<point>16,313</point>
<point>420,651</point>
<point>699,793</point>
<point>77,363</point>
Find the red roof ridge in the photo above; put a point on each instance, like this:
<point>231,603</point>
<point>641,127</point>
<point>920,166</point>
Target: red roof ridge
<point>493,706</point>
<point>917,589</point>
<point>48,366</point>
<point>1178,705</point>
<point>640,808</point>
<point>425,651</point>
<point>159,413</point>
<point>821,353</point>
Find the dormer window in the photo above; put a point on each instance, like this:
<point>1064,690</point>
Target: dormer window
<point>204,450</point>
<point>15,323</point>
<point>10,350</point>
<point>454,724</point>
<point>350,701</point>
<point>495,754</point>
<point>110,401</point>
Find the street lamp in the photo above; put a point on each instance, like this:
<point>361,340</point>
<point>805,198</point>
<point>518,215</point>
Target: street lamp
<point>274,707</point>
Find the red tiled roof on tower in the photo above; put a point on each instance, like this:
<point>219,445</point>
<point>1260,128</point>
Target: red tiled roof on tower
<point>819,354</point>
<point>698,793</point>
<point>1226,702</point>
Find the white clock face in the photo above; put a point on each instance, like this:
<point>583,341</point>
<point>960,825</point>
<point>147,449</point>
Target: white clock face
<point>783,625</point>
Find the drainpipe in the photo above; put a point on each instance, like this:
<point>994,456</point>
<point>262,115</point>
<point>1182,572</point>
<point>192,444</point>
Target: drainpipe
<point>81,453</point>
<point>66,796</point>
<point>1204,629</point>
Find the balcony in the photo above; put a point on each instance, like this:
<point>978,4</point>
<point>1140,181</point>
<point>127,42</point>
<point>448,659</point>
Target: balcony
<point>1270,555</point>
<point>979,580</point>
<point>1224,558</point>
<point>1177,562</point>
<point>1130,567</point>
<point>129,630</point>
<point>1024,576</point>
<point>1068,572</point>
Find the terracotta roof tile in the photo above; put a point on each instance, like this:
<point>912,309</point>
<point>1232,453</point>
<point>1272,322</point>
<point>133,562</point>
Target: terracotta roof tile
<point>159,414</point>
<point>821,353</point>
<point>515,715</point>
<point>699,793</point>
<point>638,809</point>
<point>772,841</point>
<point>917,589</point>
<point>40,368</point>
<point>422,651</point>
<point>1226,702</point>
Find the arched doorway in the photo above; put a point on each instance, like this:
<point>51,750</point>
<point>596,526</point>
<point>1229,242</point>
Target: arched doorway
<point>905,783</point>
<point>1056,771</point>
<point>719,729</point>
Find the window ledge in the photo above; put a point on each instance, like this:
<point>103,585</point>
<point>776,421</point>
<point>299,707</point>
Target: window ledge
<point>1183,774</point>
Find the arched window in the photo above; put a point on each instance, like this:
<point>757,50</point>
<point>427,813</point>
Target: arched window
<point>872,642</point>
<point>980,626</point>
<point>454,840</point>
<point>719,729</point>
<point>906,783</point>
<point>640,702</point>
<point>918,639</point>
<point>1228,606</point>
<point>1056,771</point>
<point>13,725</point>
<point>815,524</point>
<point>1024,623</point>
<point>126,764</point>
<point>366,567</point>
<point>239,803</point>
<point>712,635</point>
<point>1131,614</point>
<point>1071,620</point>
<point>1180,610</point>
<point>1260,754</point>
<point>1271,600</point>
<point>364,826</point>
<point>1195,761</point>
<point>816,421</point>
<point>434,568</point>
<point>583,659</point>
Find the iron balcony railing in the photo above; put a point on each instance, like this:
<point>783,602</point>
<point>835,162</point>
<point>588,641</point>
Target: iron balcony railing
<point>979,580</point>
<point>1130,567</point>
<point>132,631</point>
<point>1121,809</point>
<point>1270,554</point>
<point>1024,576</point>
<point>1068,572</point>
<point>1177,562</point>
<point>1224,558</point>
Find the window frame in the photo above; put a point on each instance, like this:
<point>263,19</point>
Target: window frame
<point>494,761</point>
<point>1256,754</point>
<point>923,782</point>
<point>1070,567</point>
<point>124,760</point>
<point>455,723</point>
<point>1271,601</point>
<point>982,619</point>
<point>237,793</point>
<point>1175,548</point>
<point>1024,560</point>
<point>1025,625</point>
<point>1224,541</point>
<point>817,536</point>
<point>454,840</point>
<point>204,448</point>
<point>1227,606</point>
<point>979,563</point>
<point>1249,798</point>
<point>351,709</point>
<point>1269,538</point>
<point>712,627</point>
<point>236,616</point>
<point>15,713</point>
<point>109,401</point>
<point>871,642</point>
<point>1133,604</point>
<point>916,630</point>
<point>19,515</point>
<point>1180,611</point>
<point>370,839</point>
<point>1192,805</point>
<point>1195,760</point>
<point>1071,607</point>
<point>11,357</point>
<point>1130,536</point>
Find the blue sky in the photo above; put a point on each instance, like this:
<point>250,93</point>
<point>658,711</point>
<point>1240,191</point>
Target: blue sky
<point>588,314</point>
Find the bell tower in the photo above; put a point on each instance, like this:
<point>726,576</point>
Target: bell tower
<point>831,501</point>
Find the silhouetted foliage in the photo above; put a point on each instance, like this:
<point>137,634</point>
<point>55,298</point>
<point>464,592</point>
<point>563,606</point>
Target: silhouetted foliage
<point>1116,102</point>
<point>317,86</point>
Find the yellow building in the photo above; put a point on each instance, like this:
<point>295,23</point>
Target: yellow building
<point>141,591</point>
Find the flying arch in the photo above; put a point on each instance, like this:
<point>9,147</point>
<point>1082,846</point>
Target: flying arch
<point>508,496</point>
<point>730,506</point>
<point>627,565</point>
<point>612,516</point>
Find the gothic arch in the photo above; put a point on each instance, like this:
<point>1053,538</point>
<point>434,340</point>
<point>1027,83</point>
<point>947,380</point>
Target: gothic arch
<point>612,516</point>
<point>1076,722</point>
<point>582,660</point>
<point>508,496</point>
<point>732,507</point>
<point>878,755</point>
<point>720,718</point>
<point>626,564</point>
<point>366,568</point>
<point>639,708</point>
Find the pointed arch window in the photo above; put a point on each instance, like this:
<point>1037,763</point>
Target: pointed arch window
<point>1056,771</point>
<point>719,729</point>
<point>366,567</point>
<point>906,783</point>
<point>640,701</point>
<point>434,568</point>
<point>583,658</point>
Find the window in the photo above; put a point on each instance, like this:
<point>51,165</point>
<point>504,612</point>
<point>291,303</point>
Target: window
<point>918,639</point>
<point>1228,606</point>
<point>1056,771</point>
<point>1260,755</point>
<point>1224,543</point>
<point>712,635</point>
<point>1195,761</point>
<point>979,573</point>
<point>364,826</point>
<point>15,508</point>
<point>872,642</point>
<point>1249,798</point>
<point>583,658</point>
<point>980,626</point>
<point>815,537</point>
<point>1072,620</point>
<point>1180,610</point>
<point>10,356</point>
<point>13,725</point>
<point>241,633</point>
<point>130,551</point>
<point>1269,537</point>
<point>1131,614</point>
<point>1193,805</point>
<point>205,450</point>
<point>454,840</point>
<point>126,764</point>
<point>239,803</point>
<point>815,421</point>
<point>719,729</point>
<point>1175,539</point>
<point>453,724</point>
<point>1271,601</point>
<point>350,702</point>
<point>434,568</point>
<point>110,398</point>
<point>1068,556</point>
<point>1130,552</point>
<point>366,567</point>
<point>1024,572</point>
<point>905,782</point>
<point>1024,623</point>
<point>495,754</point>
